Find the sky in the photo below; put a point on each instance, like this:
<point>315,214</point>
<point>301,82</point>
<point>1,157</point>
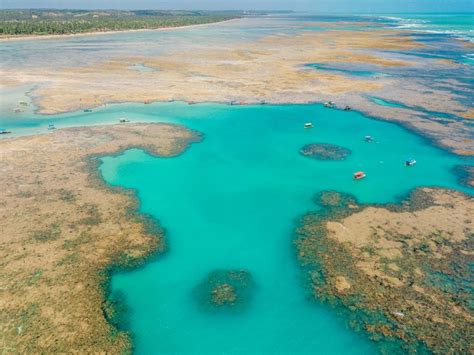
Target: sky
<point>341,6</point>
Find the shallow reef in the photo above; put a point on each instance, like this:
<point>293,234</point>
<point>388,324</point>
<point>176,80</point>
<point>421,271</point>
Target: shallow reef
<point>404,276</point>
<point>81,231</point>
<point>324,151</point>
<point>465,174</point>
<point>225,289</point>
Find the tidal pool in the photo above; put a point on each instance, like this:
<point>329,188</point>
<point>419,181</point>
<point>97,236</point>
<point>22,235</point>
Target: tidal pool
<point>231,202</point>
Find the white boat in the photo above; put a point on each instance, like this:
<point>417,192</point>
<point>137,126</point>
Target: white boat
<point>124,120</point>
<point>308,125</point>
<point>51,127</point>
<point>410,162</point>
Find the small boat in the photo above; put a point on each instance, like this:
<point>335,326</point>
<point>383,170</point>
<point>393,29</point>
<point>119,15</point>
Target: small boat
<point>4,131</point>
<point>329,104</point>
<point>124,120</point>
<point>23,103</point>
<point>359,175</point>
<point>263,102</point>
<point>410,162</point>
<point>51,127</point>
<point>18,110</point>
<point>308,125</point>
<point>88,110</point>
<point>347,108</point>
<point>368,139</point>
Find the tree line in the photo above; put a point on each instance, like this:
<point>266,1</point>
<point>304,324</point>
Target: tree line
<point>43,22</point>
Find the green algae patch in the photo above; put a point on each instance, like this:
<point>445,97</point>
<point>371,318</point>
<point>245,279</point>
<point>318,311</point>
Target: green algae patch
<point>225,290</point>
<point>398,272</point>
<point>324,151</point>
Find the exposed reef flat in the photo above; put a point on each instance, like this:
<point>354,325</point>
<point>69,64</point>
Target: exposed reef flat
<point>225,289</point>
<point>260,70</point>
<point>324,151</point>
<point>61,228</point>
<point>406,268</point>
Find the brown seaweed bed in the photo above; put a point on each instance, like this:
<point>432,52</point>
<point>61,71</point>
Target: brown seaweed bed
<point>403,272</point>
<point>225,289</point>
<point>324,151</point>
<point>76,228</point>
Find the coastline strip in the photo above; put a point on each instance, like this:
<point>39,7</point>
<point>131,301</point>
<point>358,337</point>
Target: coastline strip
<point>72,35</point>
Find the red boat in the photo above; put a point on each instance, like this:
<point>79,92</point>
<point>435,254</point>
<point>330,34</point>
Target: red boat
<point>359,175</point>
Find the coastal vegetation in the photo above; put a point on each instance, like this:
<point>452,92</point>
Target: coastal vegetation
<point>57,22</point>
<point>403,272</point>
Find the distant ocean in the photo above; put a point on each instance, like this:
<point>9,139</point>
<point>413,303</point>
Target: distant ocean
<point>457,25</point>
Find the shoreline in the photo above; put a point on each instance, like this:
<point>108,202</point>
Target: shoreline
<point>72,35</point>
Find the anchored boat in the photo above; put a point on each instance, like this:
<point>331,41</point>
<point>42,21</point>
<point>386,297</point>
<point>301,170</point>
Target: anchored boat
<point>51,127</point>
<point>410,162</point>
<point>4,131</point>
<point>124,120</point>
<point>308,125</point>
<point>359,175</point>
<point>368,139</point>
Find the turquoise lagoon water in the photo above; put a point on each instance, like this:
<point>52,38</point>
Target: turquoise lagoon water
<point>349,72</point>
<point>233,200</point>
<point>382,102</point>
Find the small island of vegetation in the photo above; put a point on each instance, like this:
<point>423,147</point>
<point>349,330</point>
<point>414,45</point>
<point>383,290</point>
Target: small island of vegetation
<point>58,22</point>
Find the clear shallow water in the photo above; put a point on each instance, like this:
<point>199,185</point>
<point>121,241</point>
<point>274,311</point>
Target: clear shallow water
<point>350,72</point>
<point>381,102</point>
<point>232,201</point>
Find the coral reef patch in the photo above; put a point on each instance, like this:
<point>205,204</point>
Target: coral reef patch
<point>403,273</point>
<point>324,151</point>
<point>225,289</point>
